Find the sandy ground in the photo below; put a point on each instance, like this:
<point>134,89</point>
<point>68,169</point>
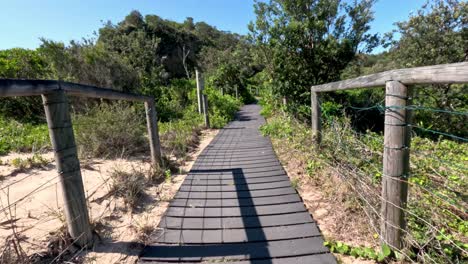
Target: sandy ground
<point>328,210</point>
<point>31,205</point>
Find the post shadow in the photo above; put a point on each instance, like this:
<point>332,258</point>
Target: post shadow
<point>257,252</point>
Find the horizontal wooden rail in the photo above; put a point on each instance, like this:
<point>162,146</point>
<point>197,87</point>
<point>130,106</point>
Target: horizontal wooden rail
<point>54,96</point>
<point>397,133</point>
<point>444,73</point>
<point>16,87</point>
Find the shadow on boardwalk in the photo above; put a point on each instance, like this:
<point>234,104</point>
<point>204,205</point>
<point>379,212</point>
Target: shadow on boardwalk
<point>237,206</point>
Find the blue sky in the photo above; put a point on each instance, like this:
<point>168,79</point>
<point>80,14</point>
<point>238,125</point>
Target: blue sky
<point>23,22</point>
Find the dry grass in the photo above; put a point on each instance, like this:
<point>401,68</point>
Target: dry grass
<point>126,200</point>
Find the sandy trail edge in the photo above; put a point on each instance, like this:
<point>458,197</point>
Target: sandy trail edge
<point>35,203</point>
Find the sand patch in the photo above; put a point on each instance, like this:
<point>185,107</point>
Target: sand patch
<point>31,205</point>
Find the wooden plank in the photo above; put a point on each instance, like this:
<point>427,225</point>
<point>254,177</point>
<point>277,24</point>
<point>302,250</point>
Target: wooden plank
<point>203,169</point>
<point>206,111</point>
<point>68,166</point>
<point>235,195</point>
<point>235,251</point>
<point>316,119</point>
<point>14,87</point>
<point>236,211</point>
<point>239,159</point>
<point>444,73</point>
<point>235,187</point>
<point>291,198</point>
<point>237,205</point>
<point>175,236</point>
<point>271,172</point>
<point>171,222</point>
<point>395,165</point>
<point>17,87</point>
<point>213,165</point>
<point>308,259</point>
<point>97,92</point>
<point>196,181</point>
<point>199,91</point>
<point>153,133</point>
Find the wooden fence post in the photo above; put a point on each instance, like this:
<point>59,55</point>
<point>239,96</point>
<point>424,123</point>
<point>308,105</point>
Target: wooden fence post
<point>395,164</point>
<point>68,166</point>
<point>316,118</point>
<point>237,92</point>
<point>205,111</point>
<point>200,87</point>
<point>153,132</point>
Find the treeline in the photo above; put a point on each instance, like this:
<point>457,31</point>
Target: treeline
<point>291,46</point>
<point>147,55</point>
<point>309,42</point>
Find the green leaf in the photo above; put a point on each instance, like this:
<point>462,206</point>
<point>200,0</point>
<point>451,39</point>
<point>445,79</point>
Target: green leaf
<point>386,251</point>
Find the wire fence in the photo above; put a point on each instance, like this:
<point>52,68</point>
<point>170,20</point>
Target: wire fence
<point>436,215</point>
<point>114,151</point>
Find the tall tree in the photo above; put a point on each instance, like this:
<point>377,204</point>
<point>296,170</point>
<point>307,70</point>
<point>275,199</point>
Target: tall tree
<point>307,42</point>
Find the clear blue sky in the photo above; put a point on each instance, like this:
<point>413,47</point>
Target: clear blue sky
<point>23,22</point>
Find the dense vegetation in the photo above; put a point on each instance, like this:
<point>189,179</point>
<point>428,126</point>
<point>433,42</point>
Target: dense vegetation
<point>146,55</point>
<point>299,39</point>
<point>292,45</point>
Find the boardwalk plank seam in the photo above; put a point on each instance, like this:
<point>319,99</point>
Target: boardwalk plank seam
<point>237,205</point>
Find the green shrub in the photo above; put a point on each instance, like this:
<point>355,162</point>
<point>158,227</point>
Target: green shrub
<point>22,137</point>
<point>436,221</point>
<point>110,130</point>
<point>180,136</point>
<point>222,107</point>
<point>36,161</point>
<point>128,185</point>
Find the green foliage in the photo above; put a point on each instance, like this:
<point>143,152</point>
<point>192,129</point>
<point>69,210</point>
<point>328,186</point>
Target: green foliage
<point>129,186</point>
<point>21,137</point>
<point>22,64</point>
<point>180,136</point>
<point>433,35</point>
<point>36,161</point>
<point>89,63</point>
<point>307,42</point>
<point>231,69</point>
<point>295,183</point>
<point>359,252</point>
<point>222,107</point>
<point>109,130</point>
<point>438,180</point>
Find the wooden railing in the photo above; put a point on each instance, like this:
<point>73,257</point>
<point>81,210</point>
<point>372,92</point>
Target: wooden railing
<point>397,132</point>
<point>54,97</point>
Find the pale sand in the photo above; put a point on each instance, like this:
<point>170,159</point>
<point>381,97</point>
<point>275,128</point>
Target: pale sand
<point>40,213</point>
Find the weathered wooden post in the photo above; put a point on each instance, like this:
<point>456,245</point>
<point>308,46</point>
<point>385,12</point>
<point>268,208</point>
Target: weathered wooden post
<point>200,87</point>
<point>237,92</point>
<point>205,111</point>
<point>395,164</point>
<point>316,118</point>
<point>68,166</point>
<point>153,132</point>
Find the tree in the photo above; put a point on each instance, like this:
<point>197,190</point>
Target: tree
<point>436,34</point>
<point>23,64</point>
<point>307,42</point>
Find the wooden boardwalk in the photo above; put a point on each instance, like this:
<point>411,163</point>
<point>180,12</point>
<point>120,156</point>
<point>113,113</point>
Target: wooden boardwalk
<point>237,206</point>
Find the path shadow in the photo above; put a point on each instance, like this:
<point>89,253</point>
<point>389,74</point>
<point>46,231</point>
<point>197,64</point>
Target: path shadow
<point>258,252</point>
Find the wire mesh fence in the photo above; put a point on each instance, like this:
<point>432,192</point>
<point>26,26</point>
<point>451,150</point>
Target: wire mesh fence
<point>436,218</point>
